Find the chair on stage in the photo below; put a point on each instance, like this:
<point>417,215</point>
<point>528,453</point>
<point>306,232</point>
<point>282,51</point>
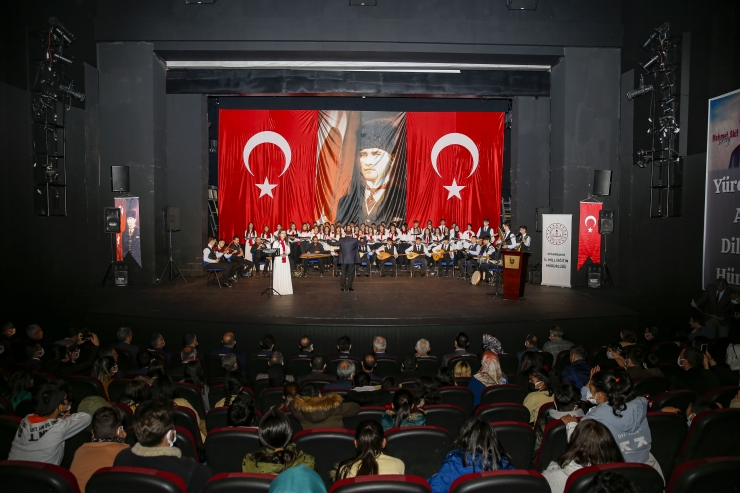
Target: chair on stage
<point>212,271</point>
<point>414,264</point>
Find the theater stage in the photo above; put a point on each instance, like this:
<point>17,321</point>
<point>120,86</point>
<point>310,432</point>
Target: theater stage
<point>402,309</point>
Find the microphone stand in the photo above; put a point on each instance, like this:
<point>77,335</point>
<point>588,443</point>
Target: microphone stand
<point>269,291</point>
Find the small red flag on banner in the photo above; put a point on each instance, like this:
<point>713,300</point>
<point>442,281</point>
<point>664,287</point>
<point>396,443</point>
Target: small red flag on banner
<point>589,239</point>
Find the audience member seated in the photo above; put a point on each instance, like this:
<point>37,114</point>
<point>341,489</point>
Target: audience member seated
<point>290,390</point>
<point>530,360</point>
<point>461,349</point>
<point>696,374</point>
<point>194,374</point>
<point>567,400</point>
<point>143,359</point>
<point>698,329</point>
<point>267,346</point>
<point>379,347</point>
<point>404,412</point>
<point>164,389</point>
<point>135,393</point>
<point>190,339</point>
<point>276,371</point>
<point>63,362</point>
<point>345,373</point>
<point>187,355</point>
<point>92,403</point>
<point>633,360</point>
<point>314,410</point>
<point>104,369</point>
<point>344,346</point>
<point>7,339</point>
<point>578,372</point>
<point>388,383</point>
<point>426,392</point>
<point>305,346</point>
<point>19,387</point>
<point>542,385</point>
<point>370,459</point>
<point>125,336</point>
<point>463,370</point>
<point>556,343</point>
<point>242,412</point>
<point>234,382</point>
<point>299,478</point>
<point>32,334</point>
<point>590,444</point>
<point>622,412</point>
<point>228,342</point>
<point>34,353</point>
<point>154,426</point>
<point>446,377</point>
<point>107,442</point>
<point>365,393</point>
<point>698,405</point>
<point>41,435</point>
<point>652,334</point>
<point>423,348</point>
<point>156,345</point>
<point>277,453</point>
<point>409,366</point>
<point>476,450</point>
<point>368,365</point>
<point>230,363</point>
<point>490,372</point>
<point>155,369</point>
<point>627,337</point>
<point>530,346</point>
<point>318,369</point>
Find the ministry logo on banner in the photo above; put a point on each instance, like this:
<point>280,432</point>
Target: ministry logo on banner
<point>556,251</point>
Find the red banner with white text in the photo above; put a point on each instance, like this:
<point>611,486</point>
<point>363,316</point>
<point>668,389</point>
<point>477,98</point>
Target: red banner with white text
<point>589,239</point>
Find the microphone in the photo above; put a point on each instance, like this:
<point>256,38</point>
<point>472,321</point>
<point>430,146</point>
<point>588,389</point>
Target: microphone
<point>77,95</point>
<point>642,90</point>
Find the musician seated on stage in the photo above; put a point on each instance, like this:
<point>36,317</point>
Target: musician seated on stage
<point>257,256</point>
<point>508,242</point>
<point>467,256</point>
<point>212,256</point>
<point>315,248</point>
<point>238,257</point>
<point>366,254</point>
<point>446,256</point>
<point>524,238</point>
<point>418,249</point>
<point>390,249</point>
<point>488,253</point>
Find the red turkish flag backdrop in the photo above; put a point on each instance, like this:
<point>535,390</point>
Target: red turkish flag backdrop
<point>239,198</point>
<point>426,197</point>
<point>589,239</point>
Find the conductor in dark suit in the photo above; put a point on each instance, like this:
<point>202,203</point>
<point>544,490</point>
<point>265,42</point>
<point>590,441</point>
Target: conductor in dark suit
<point>348,257</point>
<point>131,238</point>
<point>715,303</point>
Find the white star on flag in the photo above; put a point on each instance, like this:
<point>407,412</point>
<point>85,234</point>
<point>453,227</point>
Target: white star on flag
<point>453,190</point>
<point>590,230</point>
<point>265,188</point>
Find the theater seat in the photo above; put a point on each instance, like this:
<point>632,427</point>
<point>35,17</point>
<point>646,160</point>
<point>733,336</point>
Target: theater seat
<point>643,476</point>
<point>472,360</point>
<point>329,446</point>
<point>503,411</point>
<point>517,440</point>
<point>82,387</point>
<point>226,448</point>
<point>186,443</point>
<point>447,416</point>
<point>370,412</point>
<point>667,352</point>
<point>217,417</point>
<point>723,395</point>
<point>298,366</point>
<point>126,361</point>
<point>713,434</point>
<point>239,482</point>
<point>134,479</point>
<point>669,432</point>
<point>257,365</point>
<point>33,477</point>
<point>387,367</point>
<point>711,475</point>
<point>395,483</point>
<point>271,396</point>
<point>186,418</point>
<point>6,408</point>
<point>553,445</point>
<point>459,396</point>
<point>126,412</point>
<point>421,448</point>
<point>427,367</point>
<point>503,393</point>
<point>562,360</point>
<point>116,389</point>
<point>675,398</point>
<point>650,387</point>
<point>509,363</point>
<point>508,481</point>
<point>192,394</point>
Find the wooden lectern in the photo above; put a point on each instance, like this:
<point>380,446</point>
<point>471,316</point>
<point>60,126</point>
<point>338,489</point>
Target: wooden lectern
<point>514,265</point>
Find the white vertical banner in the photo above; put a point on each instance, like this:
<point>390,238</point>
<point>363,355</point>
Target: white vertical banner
<point>557,234</point>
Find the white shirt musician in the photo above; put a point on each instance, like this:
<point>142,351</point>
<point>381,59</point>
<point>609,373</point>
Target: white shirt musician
<point>315,248</point>
<point>508,241</point>
<point>212,255</point>
<point>485,230</point>
<point>466,257</point>
<point>448,258</point>
<point>468,234</point>
<point>391,250</point>
<point>419,249</point>
<point>524,239</point>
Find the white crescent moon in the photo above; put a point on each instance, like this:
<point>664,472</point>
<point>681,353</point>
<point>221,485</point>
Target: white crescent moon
<point>267,137</point>
<point>590,217</point>
<point>452,139</point>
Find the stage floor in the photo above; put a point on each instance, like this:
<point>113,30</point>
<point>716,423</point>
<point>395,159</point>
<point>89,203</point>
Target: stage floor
<point>374,301</point>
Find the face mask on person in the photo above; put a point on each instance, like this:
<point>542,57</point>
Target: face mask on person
<point>41,353</point>
<point>2,348</point>
<point>590,398</point>
<point>690,419</point>
<point>171,437</point>
<point>681,361</point>
<point>609,355</point>
<point>539,385</point>
<point>11,332</point>
<point>648,336</point>
<point>114,370</point>
<point>734,302</point>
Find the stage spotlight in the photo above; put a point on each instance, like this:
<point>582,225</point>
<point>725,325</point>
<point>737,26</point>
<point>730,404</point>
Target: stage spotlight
<point>68,90</point>
<point>661,31</point>
<point>650,62</point>
<point>638,92</point>
<point>67,60</point>
<point>61,31</point>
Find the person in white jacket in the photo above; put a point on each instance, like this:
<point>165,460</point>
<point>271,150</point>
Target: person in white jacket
<point>590,444</point>
<point>41,436</point>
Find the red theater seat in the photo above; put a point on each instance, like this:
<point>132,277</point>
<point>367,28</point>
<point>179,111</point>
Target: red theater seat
<point>134,479</point>
<point>508,481</point>
<point>396,483</point>
<point>370,412</point>
<point>19,475</point>
<point>503,411</point>
<point>518,441</point>
<point>711,475</point>
<point>554,443</point>
<point>226,448</point>
<point>446,416</point>
<point>239,482</point>
<point>503,393</point>
<point>713,434</point>
<point>643,476</point>
<point>421,448</point>
<point>668,431</point>
<point>328,445</point>
<point>459,396</point>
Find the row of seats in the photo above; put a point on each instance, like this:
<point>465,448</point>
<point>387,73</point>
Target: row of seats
<point>703,475</point>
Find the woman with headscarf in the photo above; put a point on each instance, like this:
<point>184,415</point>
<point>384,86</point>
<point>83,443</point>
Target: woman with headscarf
<point>490,372</point>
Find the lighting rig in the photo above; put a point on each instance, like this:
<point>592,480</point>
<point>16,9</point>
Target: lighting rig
<point>665,163</point>
<point>51,97</point>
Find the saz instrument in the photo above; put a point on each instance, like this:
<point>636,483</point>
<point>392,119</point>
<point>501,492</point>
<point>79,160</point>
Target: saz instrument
<point>386,255</point>
<point>315,255</point>
<point>413,255</point>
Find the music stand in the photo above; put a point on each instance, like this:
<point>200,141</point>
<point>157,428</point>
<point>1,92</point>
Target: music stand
<point>269,291</point>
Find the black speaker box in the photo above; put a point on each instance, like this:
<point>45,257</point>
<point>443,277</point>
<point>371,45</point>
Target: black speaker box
<point>172,218</point>
<point>606,222</point>
<point>119,181</point>
<point>112,220</point>
<point>602,182</point>
<point>120,274</point>
<point>594,275</point>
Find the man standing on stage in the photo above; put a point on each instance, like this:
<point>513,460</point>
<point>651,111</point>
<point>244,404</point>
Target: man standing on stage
<point>348,257</point>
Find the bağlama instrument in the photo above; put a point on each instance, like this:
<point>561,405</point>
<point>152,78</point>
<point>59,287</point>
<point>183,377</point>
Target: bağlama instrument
<point>413,255</point>
<point>386,255</point>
